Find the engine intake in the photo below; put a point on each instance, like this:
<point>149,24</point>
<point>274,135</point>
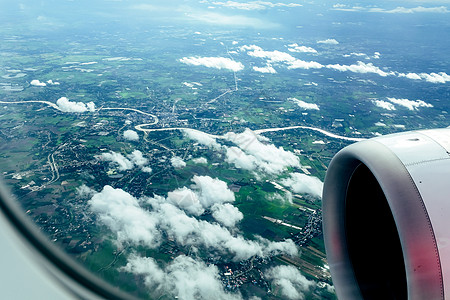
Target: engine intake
<point>386,222</point>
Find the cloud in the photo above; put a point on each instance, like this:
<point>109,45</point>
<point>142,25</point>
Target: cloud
<point>200,160</point>
<point>292,283</point>
<point>201,137</point>
<point>360,67</point>
<point>212,190</point>
<point>359,54</point>
<point>146,169</point>
<point>280,57</point>
<point>410,76</point>
<point>240,159</point>
<point>404,10</point>
<point>304,105</point>
<point>183,278</point>
<point>304,184</point>
<point>410,104</point>
<point>203,194</point>
<point>272,56</point>
<point>189,231</point>
<point>254,5</point>
<point>133,224</point>
<point>36,82</point>
<point>121,213</point>
<point>118,159</point>
<point>137,158</point>
<point>187,200</point>
<point>252,153</point>
<point>66,105</point>
<point>126,163</point>
<point>84,191</point>
<point>213,62</point>
<point>266,69</point>
<point>226,214</point>
<point>301,49</point>
<point>301,64</point>
<point>283,58</point>
<point>328,42</point>
<point>397,10</point>
<point>440,77</point>
<point>51,82</point>
<point>131,135</point>
<point>177,162</point>
<point>384,104</point>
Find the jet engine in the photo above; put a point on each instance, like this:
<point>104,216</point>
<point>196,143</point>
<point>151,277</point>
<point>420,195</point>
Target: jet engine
<point>386,217</point>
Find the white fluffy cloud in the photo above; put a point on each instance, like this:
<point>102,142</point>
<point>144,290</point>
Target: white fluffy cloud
<point>267,69</point>
<point>253,153</point>
<point>51,82</point>
<point>328,42</point>
<point>292,283</point>
<point>131,135</point>
<point>36,82</point>
<point>418,9</point>
<point>187,200</point>
<point>240,159</point>
<point>301,64</point>
<point>290,62</point>
<point>226,214</point>
<point>384,104</point>
<point>301,49</point>
<point>123,163</point>
<point>360,67</point>
<point>440,77</point>
<point>200,160</point>
<point>213,62</point>
<point>273,57</point>
<point>177,162</point>
<point>304,184</point>
<point>203,194</point>
<point>183,278</point>
<point>121,212</point>
<point>131,223</point>
<point>66,105</point>
<point>410,104</point>
<point>254,5</point>
<point>304,105</point>
<point>397,10</point>
<point>212,190</point>
<point>201,138</point>
<point>137,158</point>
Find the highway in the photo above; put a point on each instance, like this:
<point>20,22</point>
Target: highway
<point>141,127</point>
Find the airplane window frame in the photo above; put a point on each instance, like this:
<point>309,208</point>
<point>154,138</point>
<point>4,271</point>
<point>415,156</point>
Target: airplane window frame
<point>78,280</point>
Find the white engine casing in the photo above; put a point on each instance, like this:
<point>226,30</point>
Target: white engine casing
<point>386,217</point>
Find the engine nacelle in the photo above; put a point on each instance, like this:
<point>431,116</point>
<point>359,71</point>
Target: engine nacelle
<point>386,217</point>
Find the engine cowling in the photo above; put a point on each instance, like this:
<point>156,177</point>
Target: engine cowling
<point>386,217</point>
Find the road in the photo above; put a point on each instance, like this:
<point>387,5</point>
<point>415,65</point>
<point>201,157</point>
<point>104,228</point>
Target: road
<point>258,131</point>
<point>53,105</point>
<point>327,133</point>
<point>156,121</point>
